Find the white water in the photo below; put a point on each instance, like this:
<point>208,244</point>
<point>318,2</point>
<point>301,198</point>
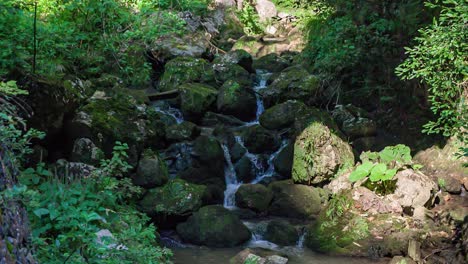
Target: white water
<point>171,111</point>
<point>232,183</point>
<point>262,78</point>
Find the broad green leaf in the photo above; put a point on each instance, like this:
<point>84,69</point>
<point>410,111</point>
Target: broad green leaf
<point>357,175</point>
<point>41,211</point>
<point>388,175</point>
<point>378,172</point>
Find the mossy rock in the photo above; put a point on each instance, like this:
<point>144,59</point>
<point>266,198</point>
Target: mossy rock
<point>237,100</point>
<point>239,57</point>
<point>320,154</point>
<point>229,71</point>
<point>175,198</point>
<point>283,115</point>
<point>259,140</point>
<point>254,196</point>
<point>185,70</point>
<point>245,170</point>
<point>208,153</point>
<point>151,171</point>
<point>214,226</point>
<point>292,83</point>
<point>196,99</point>
<point>281,233</point>
<point>294,200</point>
<point>271,62</point>
<point>284,160</point>
<point>183,131</point>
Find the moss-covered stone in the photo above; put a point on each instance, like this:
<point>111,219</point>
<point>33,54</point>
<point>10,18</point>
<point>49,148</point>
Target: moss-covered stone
<point>271,62</point>
<point>254,196</point>
<point>214,226</point>
<point>292,83</point>
<point>237,100</point>
<point>185,70</point>
<point>284,160</point>
<point>207,153</point>
<point>151,171</point>
<point>229,71</point>
<point>196,99</point>
<point>281,233</point>
<point>183,131</point>
<point>239,57</point>
<point>319,155</point>
<point>244,170</point>
<point>283,115</point>
<point>294,200</point>
<point>175,198</point>
<point>258,140</point>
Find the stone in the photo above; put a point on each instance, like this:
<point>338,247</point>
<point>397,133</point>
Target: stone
<point>413,189</point>
<point>294,200</point>
<point>214,226</point>
<point>265,9</point>
<point>414,250</point>
<point>237,151</point>
<point>183,70</point>
<point>450,184</point>
<point>283,115</point>
<point>253,196</point>
<point>239,57</point>
<point>320,154</point>
<point>85,151</point>
<point>244,170</point>
<point>196,99</point>
<point>275,259</point>
<point>271,63</point>
<point>208,153</point>
<point>401,260</point>
<point>284,160</point>
<point>151,171</point>
<point>237,100</point>
<point>175,198</point>
<point>183,131</point>
<point>72,170</point>
<point>354,121</point>
<point>281,233</point>
<point>259,140</point>
<point>230,71</point>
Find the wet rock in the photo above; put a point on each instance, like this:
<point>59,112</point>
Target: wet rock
<point>183,131</point>
<point>413,189</point>
<point>271,62</point>
<point>237,100</point>
<point>207,153</point>
<point>294,200</point>
<point>178,157</point>
<point>255,256</point>
<point>319,155</point>
<point>282,115</point>
<point>85,151</point>
<point>175,198</point>
<point>245,170</point>
<point>281,233</point>
<point>214,226</point>
<point>214,119</point>
<point>196,99</point>
<point>237,151</point>
<point>254,196</point>
<point>151,171</point>
<point>284,160</point>
<point>292,83</point>
<point>239,57</point>
<point>259,140</point>
<point>183,70</point>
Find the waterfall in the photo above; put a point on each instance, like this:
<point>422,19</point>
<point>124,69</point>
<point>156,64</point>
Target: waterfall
<point>170,111</point>
<point>262,78</point>
<point>231,180</point>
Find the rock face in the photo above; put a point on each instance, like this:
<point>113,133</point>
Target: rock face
<point>234,99</point>
<point>292,83</point>
<point>176,198</point>
<point>214,226</point>
<point>258,140</point>
<point>282,115</point>
<point>319,154</point>
<point>281,233</point>
<point>254,196</point>
<point>151,171</point>
<point>196,99</point>
<point>294,200</point>
<point>183,70</point>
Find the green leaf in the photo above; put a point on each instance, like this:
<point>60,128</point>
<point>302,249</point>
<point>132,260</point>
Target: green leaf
<point>388,175</point>
<point>361,171</point>
<point>378,172</point>
<point>41,211</point>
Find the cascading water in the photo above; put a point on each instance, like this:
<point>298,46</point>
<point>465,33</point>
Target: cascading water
<point>232,183</point>
<point>262,78</point>
<point>170,111</point>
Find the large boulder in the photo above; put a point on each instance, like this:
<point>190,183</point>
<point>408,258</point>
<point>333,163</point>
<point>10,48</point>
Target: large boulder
<point>294,200</point>
<point>231,71</point>
<point>178,157</point>
<point>283,115</point>
<point>185,70</point>
<point>254,196</point>
<point>176,198</point>
<point>413,189</point>
<point>353,121</point>
<point>239,57</point>
<point>151,171</point>
<point>183,131</point>
<point>320,154</point>
<point>271,62</point>
<point>292,83</point>
<point>208,153</point>
<point>214,226</point>
<point>258,140</point>
<point>281,233</point>
<point>237,100</point>
<point>245,170</point>
<point>265,9</point>
<point>196,99</point>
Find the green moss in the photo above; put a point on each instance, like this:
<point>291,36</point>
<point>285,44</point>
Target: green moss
<point>185,70</point>
<point>196,99</point>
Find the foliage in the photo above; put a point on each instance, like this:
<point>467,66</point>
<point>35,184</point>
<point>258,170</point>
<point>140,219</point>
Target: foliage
<point>438,60</point>
<point>250,20</point>
<point>86,37</point>
<point>356,47</point>
<point>252,259</point>
<point>379,168</point>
